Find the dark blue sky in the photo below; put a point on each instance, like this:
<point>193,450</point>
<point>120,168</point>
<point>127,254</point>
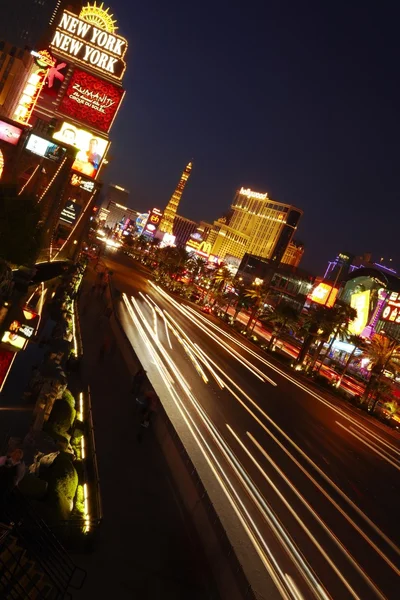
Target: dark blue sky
<point>299,99</point>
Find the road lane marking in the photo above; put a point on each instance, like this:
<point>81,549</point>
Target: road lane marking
<point>260,545</point>
<point>369,445</point>
<point>253,369</point>
<point>323,475</point>
<point>296,382</point>
<point>311,510</point>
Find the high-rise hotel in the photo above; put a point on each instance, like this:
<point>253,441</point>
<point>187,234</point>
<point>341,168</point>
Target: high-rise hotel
<point>258,226</point>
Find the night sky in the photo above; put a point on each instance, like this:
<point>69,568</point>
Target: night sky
<point>297,99</point>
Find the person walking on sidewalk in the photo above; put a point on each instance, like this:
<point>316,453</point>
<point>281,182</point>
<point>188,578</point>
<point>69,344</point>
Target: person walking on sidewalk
<point>138,380</point>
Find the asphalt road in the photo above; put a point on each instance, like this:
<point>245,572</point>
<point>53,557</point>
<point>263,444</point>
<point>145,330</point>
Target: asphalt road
<point>306,487</point>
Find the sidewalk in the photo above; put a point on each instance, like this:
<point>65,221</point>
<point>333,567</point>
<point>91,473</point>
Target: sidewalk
<point>144,547</point>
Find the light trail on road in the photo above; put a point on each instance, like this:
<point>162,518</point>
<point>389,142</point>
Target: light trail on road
<point>284,478</point>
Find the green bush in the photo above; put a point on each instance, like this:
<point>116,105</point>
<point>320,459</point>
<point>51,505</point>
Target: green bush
<point>63,414</point>
<point>62,480</point>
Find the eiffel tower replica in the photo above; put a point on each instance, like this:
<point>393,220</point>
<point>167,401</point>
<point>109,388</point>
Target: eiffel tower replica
<point>167,221</point>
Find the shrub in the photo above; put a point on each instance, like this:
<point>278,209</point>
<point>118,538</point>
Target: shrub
<point>62,480</point>
<point>63,414</point>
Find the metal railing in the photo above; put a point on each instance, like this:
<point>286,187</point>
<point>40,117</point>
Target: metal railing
<point>42,546</point>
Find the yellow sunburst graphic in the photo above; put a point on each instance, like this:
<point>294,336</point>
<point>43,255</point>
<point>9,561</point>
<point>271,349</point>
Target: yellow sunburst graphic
<point>99,17</point>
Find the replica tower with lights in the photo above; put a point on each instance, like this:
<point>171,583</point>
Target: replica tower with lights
<point>167,221</point>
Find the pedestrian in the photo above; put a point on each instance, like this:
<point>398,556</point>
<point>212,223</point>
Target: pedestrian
<point>12,469</point>
<point>138,380</point>
<point>151,409</point>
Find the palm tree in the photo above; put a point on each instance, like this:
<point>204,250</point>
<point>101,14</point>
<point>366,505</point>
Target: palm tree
<point>283,315</point>
<point>258,294</point>
<point>317,325</point>
<point>342,315</point>
<point>384,355</point>
<point>358,343</point>
<point>197,267</point>
<point>392,408</point>
<point>221,279</point>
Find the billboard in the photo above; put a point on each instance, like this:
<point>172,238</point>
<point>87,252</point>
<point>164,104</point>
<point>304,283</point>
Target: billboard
<point>85,40</point>
<point>70,212</point>
<point>360,302</point>
<point>91,147</point>
<point>82,183</point>
<point>391,312</point>
<point>152,222</point>
<point>198,246</point>
<point>44,148</point>
<point>91,100</point>
<point>9,133</point>
<point>324,294</point>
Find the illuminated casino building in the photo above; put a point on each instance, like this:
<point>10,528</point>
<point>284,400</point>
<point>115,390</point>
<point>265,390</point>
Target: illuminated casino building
<point>167,221</point>
<point>65,109</point>
<point>257,225</point>
<point>293,253</point>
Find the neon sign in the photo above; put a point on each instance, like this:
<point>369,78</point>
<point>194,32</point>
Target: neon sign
<point>91,45</point>
<point>200,247</point>
<point>250,194</point>
<point>1,163</point>
<point>391,312</point>
<point>91,100</point>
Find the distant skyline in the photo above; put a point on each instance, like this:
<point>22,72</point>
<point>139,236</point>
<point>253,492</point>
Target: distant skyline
<point>297,100</point>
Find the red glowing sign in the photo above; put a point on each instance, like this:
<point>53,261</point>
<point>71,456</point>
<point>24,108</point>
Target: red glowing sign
<point>91,100</point>
<point>9,133</point>
<point>391,312</point>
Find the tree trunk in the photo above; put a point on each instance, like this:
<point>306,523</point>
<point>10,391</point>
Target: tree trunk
<point>316,357</point>
<point>304,349</point>
<point>339,383</point>
<point>327,351</point>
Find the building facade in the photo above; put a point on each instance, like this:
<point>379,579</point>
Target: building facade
<point>285,283</point>
<point>293,254</point>
<point>28,21</point>
<point>257,225</point>
<point>117,214</point>
<point>67,103</point>
<point>183,229</point>
<point>15,63</point>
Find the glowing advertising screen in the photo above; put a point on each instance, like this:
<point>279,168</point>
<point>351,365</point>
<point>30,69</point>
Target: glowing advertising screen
<point>91,100</point>
<point>360,302</point>
<point>168,240</point>
<point>91,147</point>
<point>9,133</point>
<point>44,148</point>
<point>70,212</point>
<point>141,221</point>
<point>91,40</point>
<point>153,222</point>
<point>324,294</point>
<point>391,312</point>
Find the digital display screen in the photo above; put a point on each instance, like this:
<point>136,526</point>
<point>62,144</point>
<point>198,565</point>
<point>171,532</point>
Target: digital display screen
<point>91,147</point>
<point>44,148</point>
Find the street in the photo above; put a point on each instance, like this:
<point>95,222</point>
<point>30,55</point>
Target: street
<point>306,487</point>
